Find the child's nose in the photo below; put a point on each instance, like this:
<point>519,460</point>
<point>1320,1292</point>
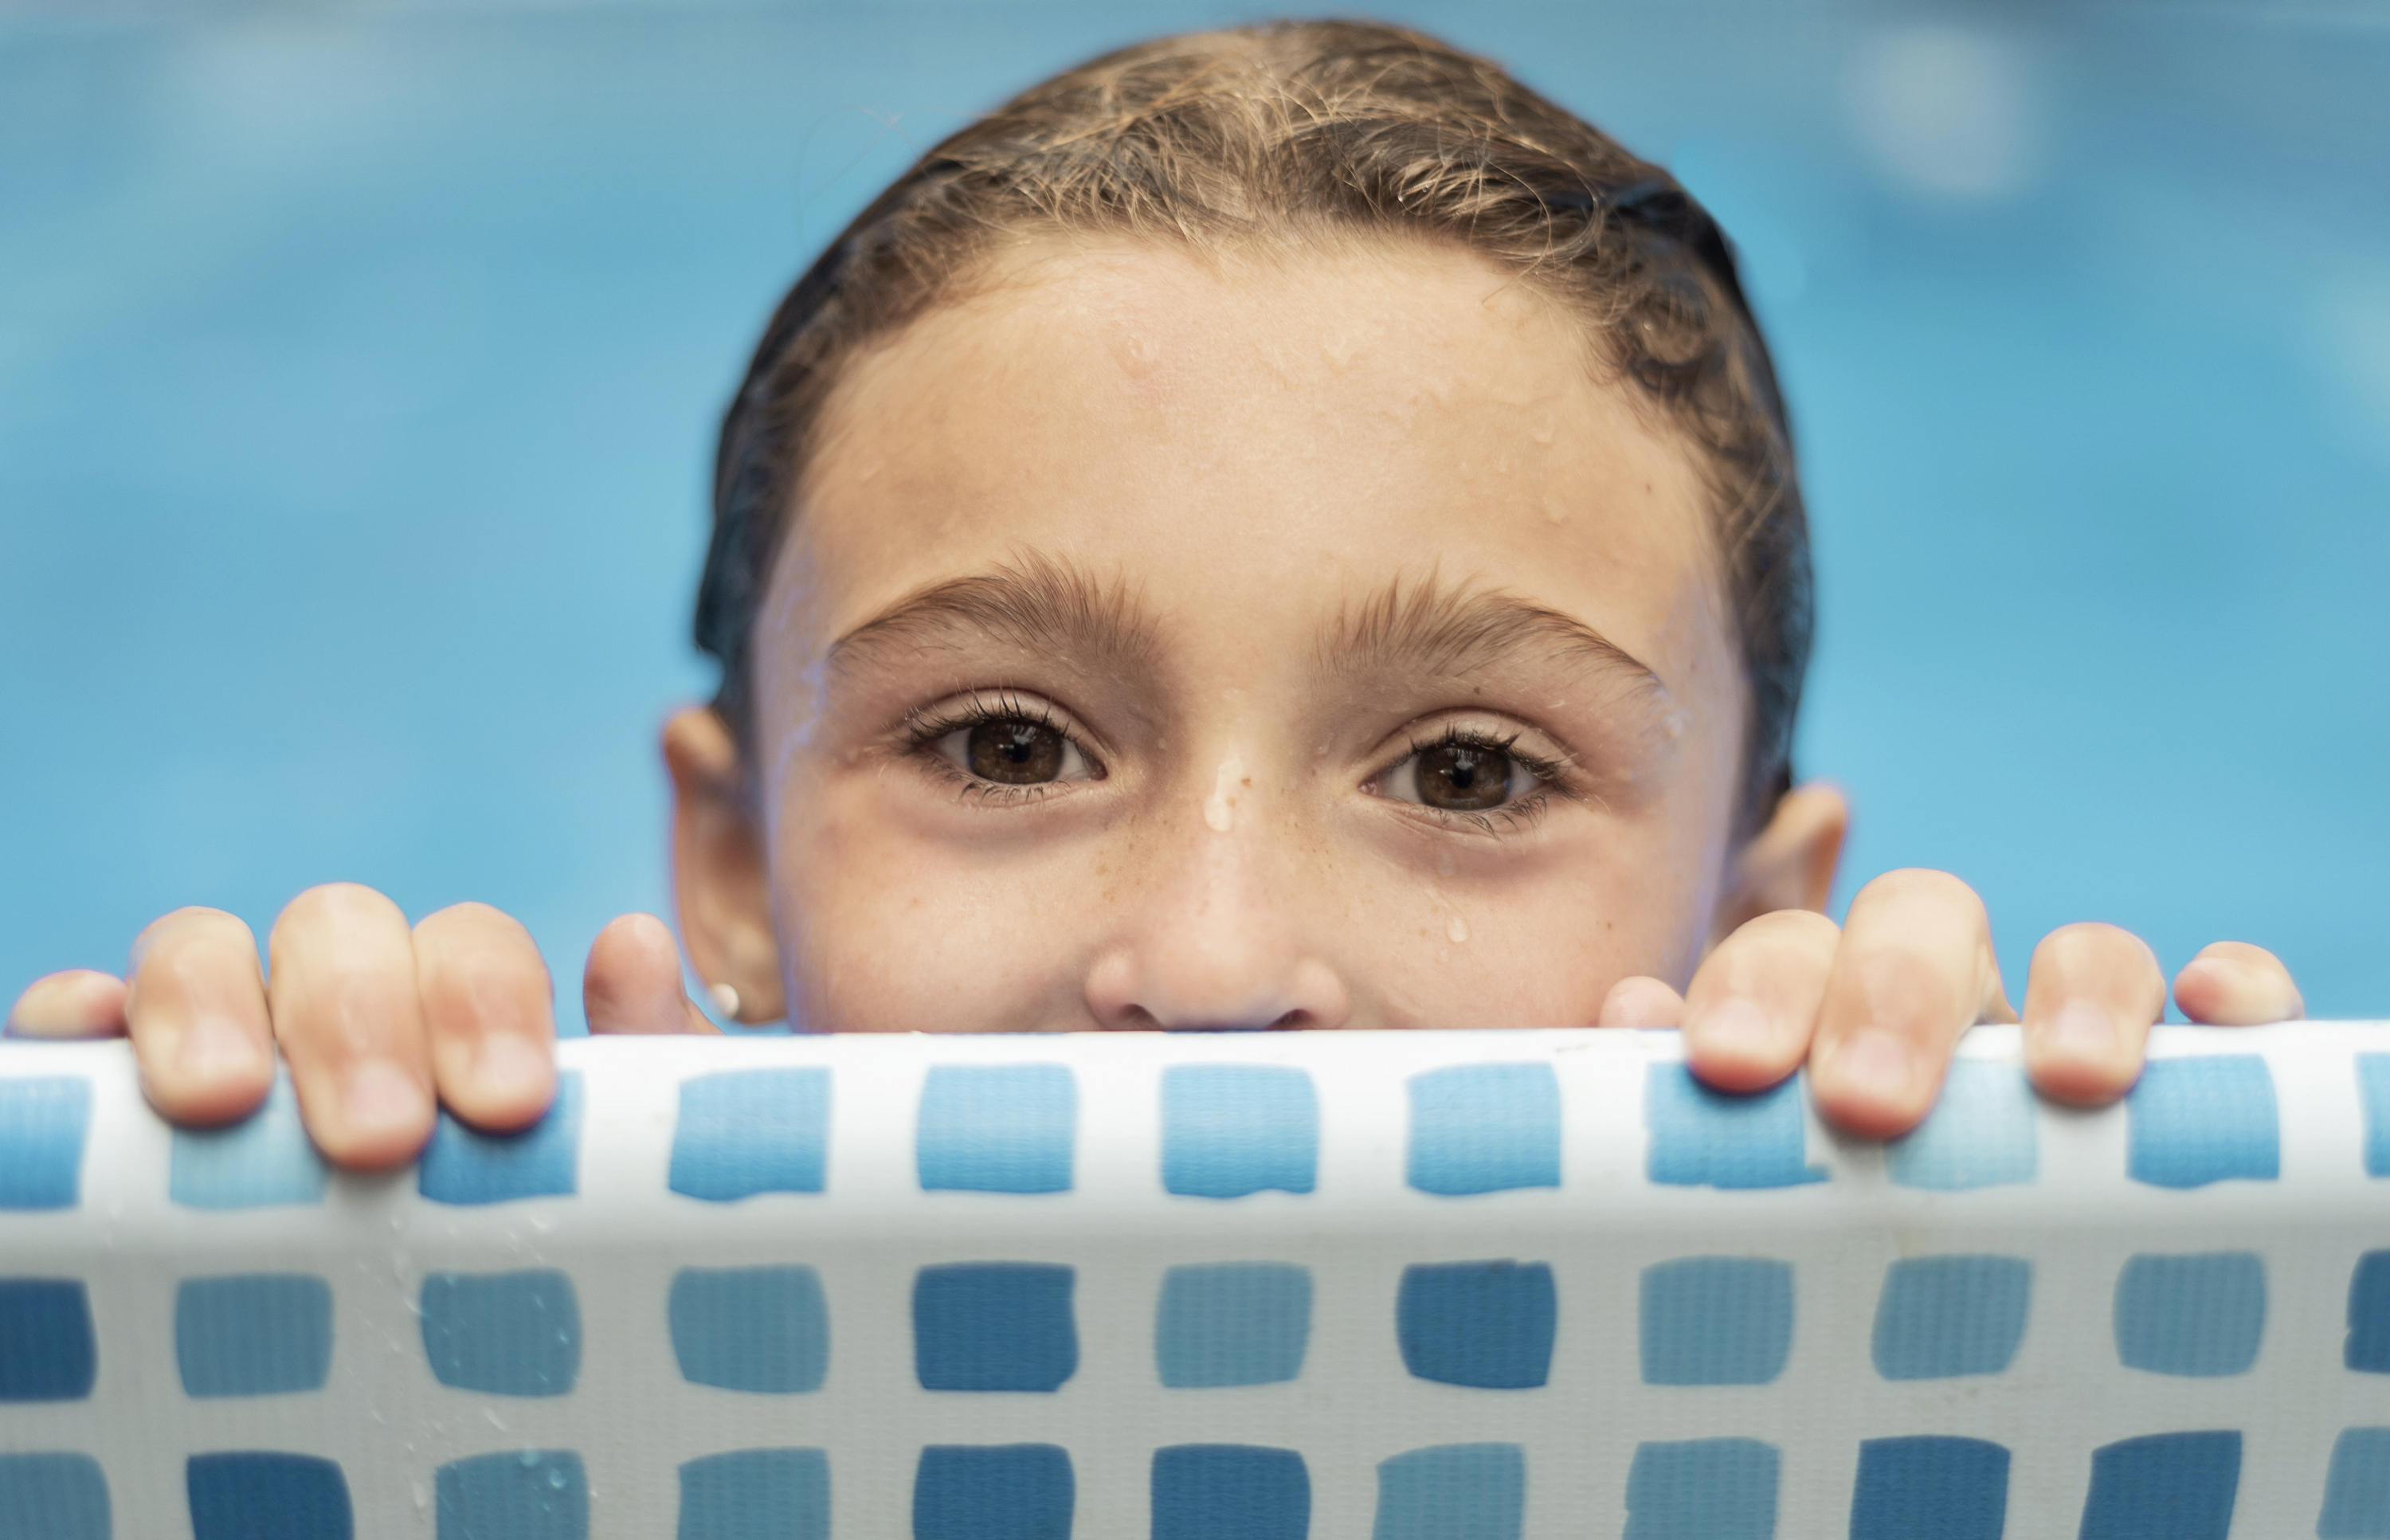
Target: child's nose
<point>1219,942</point>
<point>1188,986</point>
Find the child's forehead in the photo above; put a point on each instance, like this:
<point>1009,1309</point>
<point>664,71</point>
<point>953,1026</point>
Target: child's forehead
<point>1298,428</point>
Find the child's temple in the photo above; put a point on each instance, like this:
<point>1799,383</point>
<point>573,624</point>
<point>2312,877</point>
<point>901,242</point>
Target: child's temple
<point>1437,1286</point>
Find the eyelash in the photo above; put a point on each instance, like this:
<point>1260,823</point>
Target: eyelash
<point>1551,780</point>
<point>924,728</point>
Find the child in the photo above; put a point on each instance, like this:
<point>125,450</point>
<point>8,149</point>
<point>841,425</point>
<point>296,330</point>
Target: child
<point>1278,528</point>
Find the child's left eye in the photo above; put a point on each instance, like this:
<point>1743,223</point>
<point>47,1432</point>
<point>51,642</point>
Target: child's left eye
<point>1460,775</point>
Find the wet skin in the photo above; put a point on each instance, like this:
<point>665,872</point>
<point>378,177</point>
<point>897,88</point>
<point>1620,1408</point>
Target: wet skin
<point>1310,639</point>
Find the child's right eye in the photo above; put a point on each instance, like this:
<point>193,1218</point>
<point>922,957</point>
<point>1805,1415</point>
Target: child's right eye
<point>1004,741</point>
<point>1015,751</point>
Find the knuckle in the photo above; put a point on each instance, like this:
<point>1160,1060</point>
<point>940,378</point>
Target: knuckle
<point>339,903</point>
<point>1923,887</point>
<point>473,921</point>
<point>2094,944</point>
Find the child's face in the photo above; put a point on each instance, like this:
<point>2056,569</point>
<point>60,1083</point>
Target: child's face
<point>1316,640</point>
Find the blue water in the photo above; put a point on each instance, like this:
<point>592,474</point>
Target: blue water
<point>358,363</point>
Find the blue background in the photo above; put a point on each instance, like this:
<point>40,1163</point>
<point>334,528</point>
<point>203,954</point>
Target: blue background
<point>358,366</point>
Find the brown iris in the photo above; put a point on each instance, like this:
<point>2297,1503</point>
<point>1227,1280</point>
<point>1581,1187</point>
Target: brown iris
<point>1464,777</point>
<point>1014,752</point>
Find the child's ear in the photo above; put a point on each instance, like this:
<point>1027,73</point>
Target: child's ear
<point>1790,863</point>
<point>722,881</point>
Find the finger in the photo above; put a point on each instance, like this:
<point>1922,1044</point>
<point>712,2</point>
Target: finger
<point>80,1002</point>
<point>345,1007</point>
<point>2235,984</point>
<point>196,1009</point>
<point>1755,1001</point>
<point>1642,1002</point>
<point>1914,970</point>
<point>2093,993</point>
<point>633,981</point>
<point>485,996</point>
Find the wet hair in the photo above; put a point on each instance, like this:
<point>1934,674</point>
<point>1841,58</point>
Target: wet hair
<point>1282,133</point>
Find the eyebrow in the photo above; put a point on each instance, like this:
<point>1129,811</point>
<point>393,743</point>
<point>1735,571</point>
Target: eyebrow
<point>1035,603</point>
<point>1425,625</point>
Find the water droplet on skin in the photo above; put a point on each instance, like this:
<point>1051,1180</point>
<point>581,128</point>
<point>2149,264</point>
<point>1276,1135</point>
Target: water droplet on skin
<point>1457,930</point>
<point>1220,807</point>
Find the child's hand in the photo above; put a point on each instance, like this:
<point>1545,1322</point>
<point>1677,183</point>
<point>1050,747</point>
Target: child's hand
<point>1878,1005</point>
<point>375,1017</point>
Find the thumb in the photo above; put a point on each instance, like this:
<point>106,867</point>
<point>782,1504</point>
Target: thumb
<point>633,981</point>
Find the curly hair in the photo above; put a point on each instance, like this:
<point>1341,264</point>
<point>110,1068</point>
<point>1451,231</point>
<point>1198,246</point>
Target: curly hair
<point>1284,131</point>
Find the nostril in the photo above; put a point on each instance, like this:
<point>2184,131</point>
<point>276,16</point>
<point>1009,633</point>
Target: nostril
<point>1293,1021</point>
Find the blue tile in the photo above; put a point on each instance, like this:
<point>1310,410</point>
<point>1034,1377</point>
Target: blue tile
<point>1453,1491</point>
<point>1716,1321</point>
<point>994,1326</point>
<point>253,1334</point>
<point>1705,1489</point>
<point>1486,1324</point>
<point>46,1348</point>
<point>2196,1120</point>
<point>749,1328</point>
<point>2202,1314</point>
<point>1705,1138</point>
<point>1485,1128</point>
<point>2373,1094</point>
<point>526,1495</point>
<point>2168,1487</point>
<point>757,1494</point>
<point>42,1122</point>
<point>747,1131</point>
<point>993,1492</point>
<point>1232,1129</point>
<point>256,1496</point>
<point>503,1333</point>
<point>463,1166</point>
<point>1980,1133</point>
<point>53,1497</point>
<point>264,1160</point>
<point>2368,1347</point>
<point>997,1128</point>
<point>1231,1323</point>
<point>1231,1492</point>
<point>2357,1493</point>
<point>1940,1317</point>
<point>1948,1488</point>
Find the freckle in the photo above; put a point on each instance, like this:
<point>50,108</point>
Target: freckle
<point>1457,931</point>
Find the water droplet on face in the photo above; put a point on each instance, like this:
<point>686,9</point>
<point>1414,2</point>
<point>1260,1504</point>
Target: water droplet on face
<point>1457,930</point>
<point>1220,807</point>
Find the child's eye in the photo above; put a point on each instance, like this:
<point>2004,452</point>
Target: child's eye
<point>1460,775</point>
<point>1014,751</point>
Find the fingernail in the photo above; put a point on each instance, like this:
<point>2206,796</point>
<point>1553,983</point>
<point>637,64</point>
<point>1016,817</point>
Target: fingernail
<point>1876,1059</point>
<point>1734,1022</point>
<point>2080,1027</point>
<point>378,1096</point>
<point>215,1050</point>
<point>508,1066</point>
